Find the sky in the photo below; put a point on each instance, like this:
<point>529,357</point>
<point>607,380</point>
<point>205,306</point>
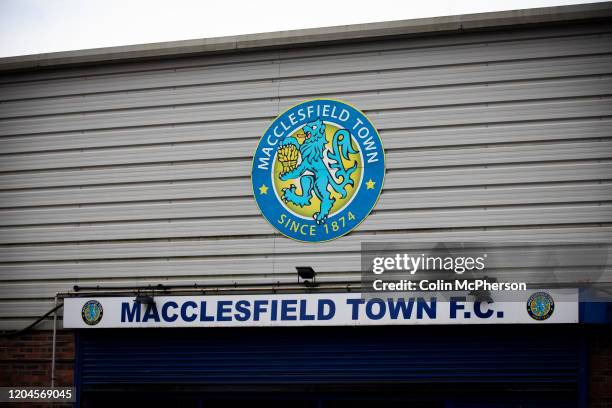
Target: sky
<point>40,26</point>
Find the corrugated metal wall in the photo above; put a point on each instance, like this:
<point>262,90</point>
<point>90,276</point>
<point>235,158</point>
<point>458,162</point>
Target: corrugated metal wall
<point>138,173</point>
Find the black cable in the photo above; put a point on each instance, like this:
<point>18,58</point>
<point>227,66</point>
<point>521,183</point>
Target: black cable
<point>25,329</point>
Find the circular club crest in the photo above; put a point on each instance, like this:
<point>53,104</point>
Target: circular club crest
<point>540,306</point>
<point>92,312</point>
<point>318,170</point>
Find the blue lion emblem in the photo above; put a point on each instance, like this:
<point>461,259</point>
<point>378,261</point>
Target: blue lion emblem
<point>540,306</point>
<point>92,312</point>
<point>318,170</point>
<point>315,177</point>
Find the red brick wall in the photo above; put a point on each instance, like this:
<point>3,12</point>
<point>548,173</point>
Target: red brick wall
<point>600,369</point>
<point>25,360</point>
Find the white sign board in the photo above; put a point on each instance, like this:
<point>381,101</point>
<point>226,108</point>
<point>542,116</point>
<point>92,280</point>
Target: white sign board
<point>339,309</point>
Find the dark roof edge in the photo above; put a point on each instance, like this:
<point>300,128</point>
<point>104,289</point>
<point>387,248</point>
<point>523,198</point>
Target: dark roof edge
<point>312,36</point>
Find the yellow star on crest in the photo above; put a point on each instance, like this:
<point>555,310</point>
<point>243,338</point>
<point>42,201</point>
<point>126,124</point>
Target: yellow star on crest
<point>263,189</point>
<point>370,184</point>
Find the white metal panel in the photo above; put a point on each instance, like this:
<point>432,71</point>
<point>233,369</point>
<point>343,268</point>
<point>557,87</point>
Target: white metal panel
<point>165,65</point>
<point>494,113</point>
<point>411,159</point>
<point>138,230</point>
<point>125,174</point>
<point>229,149</point>
<point>32,290</point>
<point>26,308</point>
<point>479,93</point>
<point>229,131</point>
<point>500,174</point>
<point>408,99</point>
<point>491,196</point>
<point>461,54</point>
<point>140,117</point>
<point>235,149</point>
<point>139,211</point>
<point>498,133</point>
<point>508,34</point>
<point>172,248</point>
<point>123,193</point>
<point>244,206</point>
<point>246,226</point>
<point>335,84</point>
<point>396,159</point>
<point>489,72</point>
<point>503,153</point>
<point>494,174</point>
<point>138,173</point>
<point>123,82</point>
<point>149,135</point>
<point>133,99</point>
<point>232,149</point>
<point>339,59</point>
<point>262,266</point>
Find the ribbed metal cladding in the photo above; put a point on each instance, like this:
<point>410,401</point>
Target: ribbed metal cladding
<point>138,172</point>
<point>330,355</point>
